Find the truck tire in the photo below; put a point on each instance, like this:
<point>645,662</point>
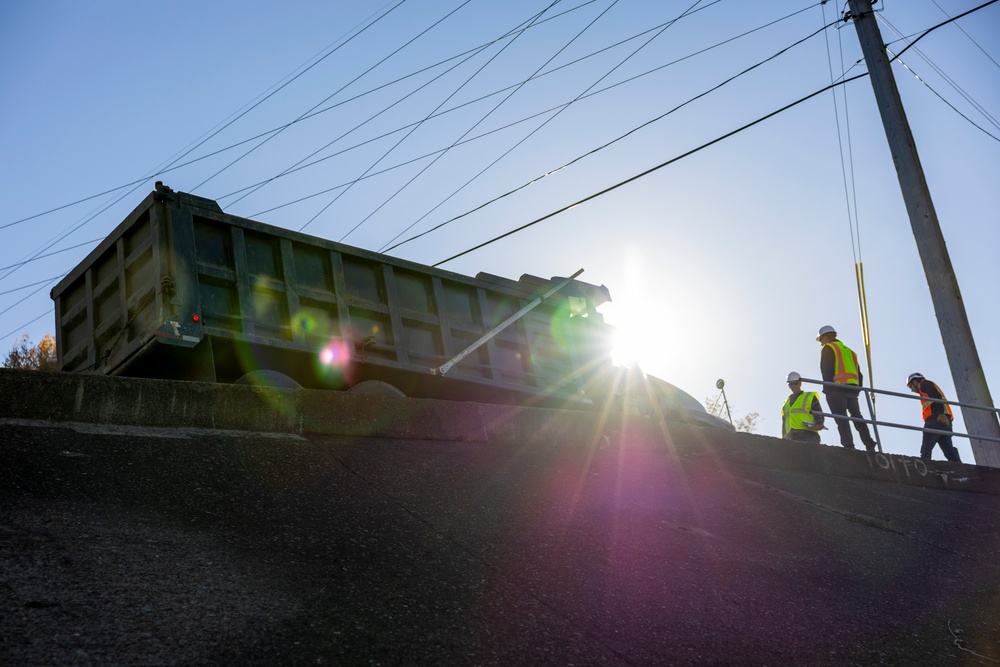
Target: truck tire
<point>272,379</point>
<point>376,388</point>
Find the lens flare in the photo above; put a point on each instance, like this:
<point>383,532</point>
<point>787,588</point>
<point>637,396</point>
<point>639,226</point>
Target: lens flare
<point>334,354</point>
<point>304,322</point>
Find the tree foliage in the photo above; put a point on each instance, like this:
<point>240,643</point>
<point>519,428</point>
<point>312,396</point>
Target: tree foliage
<point>747,423</point>
<point>27,356</point>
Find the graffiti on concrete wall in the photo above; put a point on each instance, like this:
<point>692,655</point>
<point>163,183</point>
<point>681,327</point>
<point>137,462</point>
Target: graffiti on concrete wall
<point>897,464</point>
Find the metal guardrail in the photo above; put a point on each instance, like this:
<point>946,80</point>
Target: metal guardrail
<point>875,423</point>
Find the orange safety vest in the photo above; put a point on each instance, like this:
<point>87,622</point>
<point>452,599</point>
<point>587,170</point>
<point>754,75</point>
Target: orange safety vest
<point>846,369</point>
<point>927,404</point>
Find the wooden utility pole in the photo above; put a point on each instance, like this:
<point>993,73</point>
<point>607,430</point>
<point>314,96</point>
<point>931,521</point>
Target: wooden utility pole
<point>966,369</point>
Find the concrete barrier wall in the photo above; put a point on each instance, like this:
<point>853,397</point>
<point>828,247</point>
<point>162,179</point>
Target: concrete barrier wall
<point>95,399</point>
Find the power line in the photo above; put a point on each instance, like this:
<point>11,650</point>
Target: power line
<point>483,117</point>
<point>474,101</point>
<point>512,34</point>
<point>18,289</point>
<point>28,296</point>
<point>21,328</point>
<point>418,36</point>
<point>649,171</point>
<point>969,36</point>
<point>599,91</point>
<point>54,252</point>
<point>175,166</point>
<point>944,23</point>
<point>951,82</point>
<point>619,138</point>
<point>853,222</point>
<point>394,7</point>
<point>172,165</point>
<point>465,104</point>
<point>89,219</point>
<point>582,95</point>
<point>419,123</point>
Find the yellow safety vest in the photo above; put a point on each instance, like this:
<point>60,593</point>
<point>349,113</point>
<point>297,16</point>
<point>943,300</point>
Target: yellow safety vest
<point>846,369</point>
<point>798,412</point>
<point>927,404</point>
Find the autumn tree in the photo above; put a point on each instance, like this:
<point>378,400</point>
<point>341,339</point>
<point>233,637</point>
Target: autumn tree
<point>27,356</point>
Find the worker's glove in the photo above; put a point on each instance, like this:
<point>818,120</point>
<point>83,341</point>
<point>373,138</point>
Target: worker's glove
<point>943,418</point>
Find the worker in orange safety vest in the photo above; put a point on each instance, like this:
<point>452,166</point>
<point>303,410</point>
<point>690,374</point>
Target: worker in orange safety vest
<point>936,416</point>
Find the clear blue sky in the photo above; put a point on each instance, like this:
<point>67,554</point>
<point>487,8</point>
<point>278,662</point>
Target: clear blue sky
<point>721,265</point>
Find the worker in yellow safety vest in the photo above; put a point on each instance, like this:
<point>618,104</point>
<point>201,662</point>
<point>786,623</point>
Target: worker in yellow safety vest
<point>936,416</point>
<point>801,417</point>
<point>839,366</point>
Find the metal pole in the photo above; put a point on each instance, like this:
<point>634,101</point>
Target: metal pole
<point>445,367</point>
<point>721,384</point>
<point>871,411</point>
<point>908,427</point>
<point>960,347</point>
<point>912,397</point>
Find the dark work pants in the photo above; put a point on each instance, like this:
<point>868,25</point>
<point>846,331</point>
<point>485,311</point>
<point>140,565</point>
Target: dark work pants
<point>804,436</point>
<point>846,403</point>
<point>931,439</point>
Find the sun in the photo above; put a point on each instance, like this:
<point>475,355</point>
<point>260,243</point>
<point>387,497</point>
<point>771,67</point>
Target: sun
<point>632,344</point>
<point>674,342</point>
<point>626,346</point>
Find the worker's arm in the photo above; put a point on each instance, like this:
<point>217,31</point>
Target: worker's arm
<point>827,363</point>
<point>816,409</point>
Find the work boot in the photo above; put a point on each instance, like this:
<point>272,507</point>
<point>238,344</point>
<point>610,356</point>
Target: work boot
<point>870,446</point>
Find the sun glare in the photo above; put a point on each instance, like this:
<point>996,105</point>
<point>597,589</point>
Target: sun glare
<point>660,340</point>
<point>626,347</point>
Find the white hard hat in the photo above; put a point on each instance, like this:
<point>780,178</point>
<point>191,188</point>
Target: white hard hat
<point>826,330</point>
<point>794,377</point>
<point>913,376</point>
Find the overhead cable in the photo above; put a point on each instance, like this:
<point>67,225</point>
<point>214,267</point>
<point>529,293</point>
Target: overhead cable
<point>28,296</point>
<point>617,139</point>
<point>944,23</point>
<point>549,119</point>
<point>174,166</point>
<point>18,289</point>
<point>549,110</point>
<point>951,82</point>
<point>484,117</point>
<point>968,35</point>
<point>87,219</point>
<point>214,133</point>
<point>22,327</point>
<point>418,124</point>
<point>336,92</point>
<point>650,170</point>
<point>54,252</point>
<point>846,172</point>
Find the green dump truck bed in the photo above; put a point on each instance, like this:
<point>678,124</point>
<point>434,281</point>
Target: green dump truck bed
<point>182,290</point>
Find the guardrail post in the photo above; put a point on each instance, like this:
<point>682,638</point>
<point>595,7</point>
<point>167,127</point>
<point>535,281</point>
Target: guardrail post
<point>871,411</point>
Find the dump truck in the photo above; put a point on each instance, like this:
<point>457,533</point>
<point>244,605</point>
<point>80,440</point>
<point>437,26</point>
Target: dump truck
<point>182,290</point>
